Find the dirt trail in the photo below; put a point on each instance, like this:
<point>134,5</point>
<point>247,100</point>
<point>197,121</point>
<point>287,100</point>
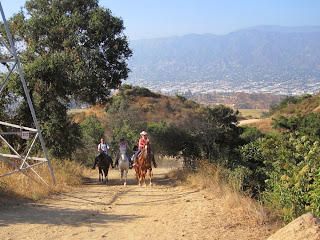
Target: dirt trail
<point>248,121</point>
<point>113,211</point>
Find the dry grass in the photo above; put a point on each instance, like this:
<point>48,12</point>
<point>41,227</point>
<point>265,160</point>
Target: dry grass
<point>252,113</point>
<point>242,208</point>
<point>264,125</point>
<point>18,187</point>
<point>97,110</point>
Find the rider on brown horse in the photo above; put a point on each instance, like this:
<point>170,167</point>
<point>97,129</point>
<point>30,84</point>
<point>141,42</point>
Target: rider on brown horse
<point>142,141</point>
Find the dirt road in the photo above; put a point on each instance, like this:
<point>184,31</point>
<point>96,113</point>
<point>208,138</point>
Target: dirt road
<point>248,121</point>
<point>113,211</point>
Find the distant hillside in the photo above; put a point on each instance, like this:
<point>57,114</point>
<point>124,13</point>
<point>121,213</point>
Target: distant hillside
<point>239,100</point>
<point>152,107</point>
<point>302,105</point>
<point>267,59</point>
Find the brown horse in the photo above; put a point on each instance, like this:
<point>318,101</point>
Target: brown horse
<point>144,164</point>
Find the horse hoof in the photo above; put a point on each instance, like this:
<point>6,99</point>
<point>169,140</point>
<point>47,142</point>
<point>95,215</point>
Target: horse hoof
<point>125,184</point>
<point>151,184</point>
<point>139,184</point>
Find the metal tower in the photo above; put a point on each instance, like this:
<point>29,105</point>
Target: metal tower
<point>23,162</point>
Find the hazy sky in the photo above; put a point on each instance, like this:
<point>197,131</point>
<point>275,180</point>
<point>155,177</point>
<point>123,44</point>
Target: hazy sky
<point>163,18</point>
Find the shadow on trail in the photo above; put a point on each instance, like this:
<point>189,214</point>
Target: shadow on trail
<point>60,216</point>
<point>157,179</point>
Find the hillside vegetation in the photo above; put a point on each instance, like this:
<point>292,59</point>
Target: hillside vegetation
<point>174,123</point>
<point>289,106</point>
<point>303,105</point>
<point>290,156</point>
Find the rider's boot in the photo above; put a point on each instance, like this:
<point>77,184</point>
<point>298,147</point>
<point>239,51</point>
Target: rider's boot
<point>135,163</point>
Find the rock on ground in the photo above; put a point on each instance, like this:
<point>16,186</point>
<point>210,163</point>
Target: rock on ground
<point>306,227</point>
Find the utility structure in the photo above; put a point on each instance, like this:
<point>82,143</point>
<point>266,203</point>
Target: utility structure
<point>23,163</point>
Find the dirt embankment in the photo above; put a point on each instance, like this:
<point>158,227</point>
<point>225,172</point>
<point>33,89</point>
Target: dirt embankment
<point>113,211</point>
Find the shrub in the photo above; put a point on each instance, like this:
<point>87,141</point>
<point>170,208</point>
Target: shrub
<point>92,132</point>
<point>250,134</point>
<point>292,163</point>
<point>181,98</point>
<point>126,86</point>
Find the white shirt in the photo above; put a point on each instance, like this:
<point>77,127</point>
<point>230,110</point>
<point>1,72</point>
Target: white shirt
<point>123,147</point>
<point>104,147</point>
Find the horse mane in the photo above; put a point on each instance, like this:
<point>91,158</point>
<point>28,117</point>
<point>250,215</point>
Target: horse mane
<point>143,150</point>
<point>144,147</point>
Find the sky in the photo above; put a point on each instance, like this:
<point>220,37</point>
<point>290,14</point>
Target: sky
<point>144,19</point>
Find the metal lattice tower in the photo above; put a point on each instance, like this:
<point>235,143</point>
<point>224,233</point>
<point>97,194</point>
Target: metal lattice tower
<point>26,162</point>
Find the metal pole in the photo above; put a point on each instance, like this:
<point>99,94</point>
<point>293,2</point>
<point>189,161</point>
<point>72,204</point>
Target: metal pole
<point>14,53</point>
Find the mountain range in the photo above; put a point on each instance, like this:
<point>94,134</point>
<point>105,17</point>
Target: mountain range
<point>267,59</point>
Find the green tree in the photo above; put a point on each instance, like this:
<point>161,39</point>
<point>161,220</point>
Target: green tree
<point>71,50</point>
<point>250,134</point>
<point>252,160</point>
<point>286,167</point>
<point>92,131</point>
<point>215,127</point>
<point>172,140</point>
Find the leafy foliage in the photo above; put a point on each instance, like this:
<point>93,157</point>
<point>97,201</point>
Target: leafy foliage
<point>72,50</point>
<point>92,131</point>
<point>250,134</point>
<point>172,140</point>
<point>291,167</point>
<point>305,125</point>
<point>288,104</point>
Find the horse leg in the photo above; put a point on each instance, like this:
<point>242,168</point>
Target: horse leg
<point>125,177</point>
<point>106,174</point>
<point>144,177</point>
<point>137,173</point>
<point>150,177</point>
<point>100,173</point>
<point>140,177</point>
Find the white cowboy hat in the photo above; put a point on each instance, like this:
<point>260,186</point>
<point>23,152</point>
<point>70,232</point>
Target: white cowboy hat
<point>143,133</point>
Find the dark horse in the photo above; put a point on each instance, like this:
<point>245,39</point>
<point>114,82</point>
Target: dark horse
<point>103,163</point>
<point>144,164</point>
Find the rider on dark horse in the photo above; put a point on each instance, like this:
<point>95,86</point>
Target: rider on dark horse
<point>102,149</point>
<point>141,142</point>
